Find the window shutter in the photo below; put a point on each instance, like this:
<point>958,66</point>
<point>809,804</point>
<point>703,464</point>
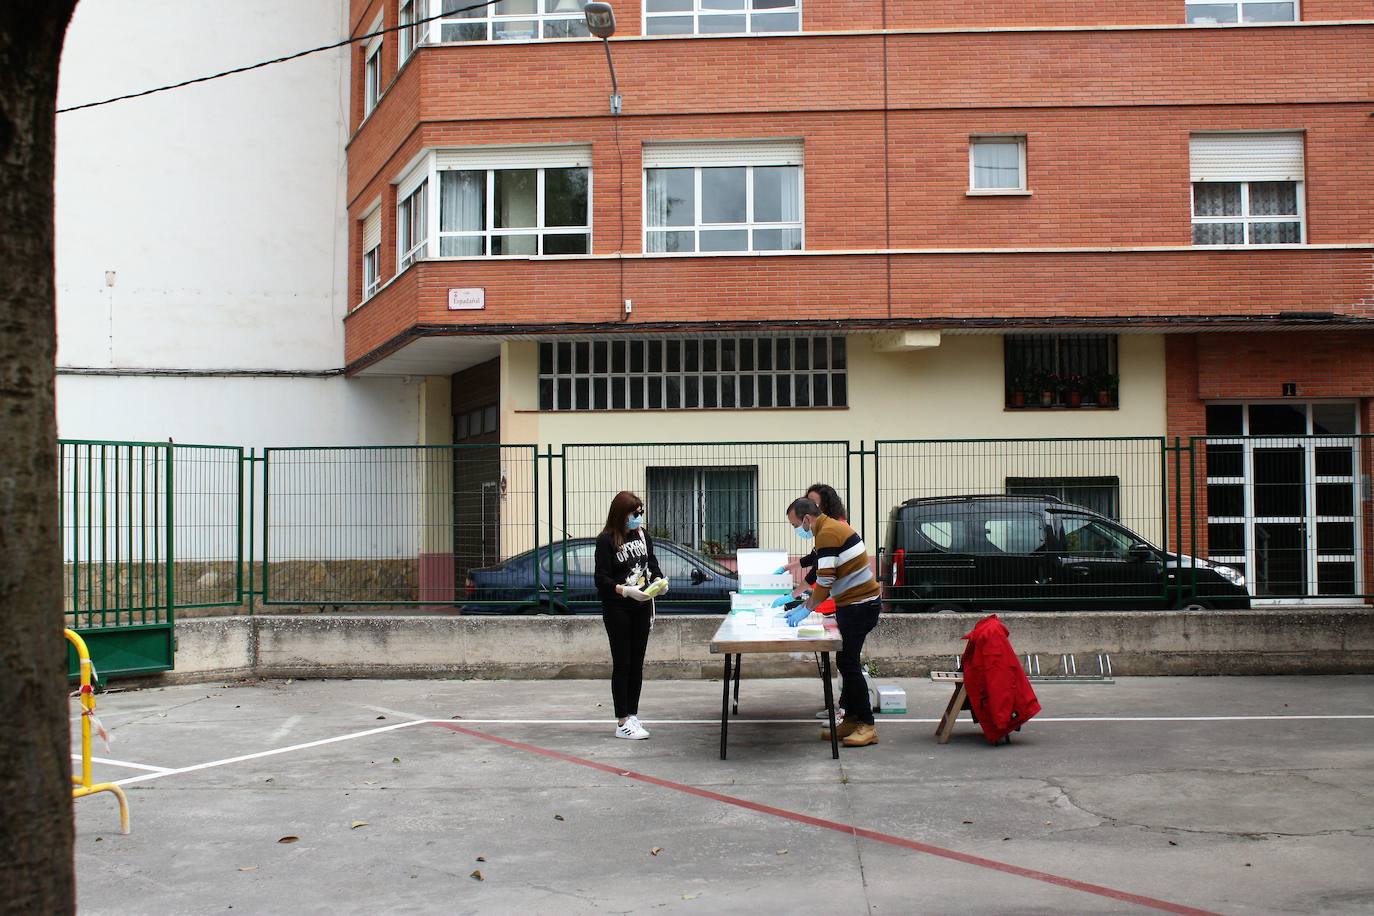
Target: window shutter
<point>515,157</point>
<point>372,230</point>
<point>1246,157</point>
<point>723,153</point>
<point>407,185</point>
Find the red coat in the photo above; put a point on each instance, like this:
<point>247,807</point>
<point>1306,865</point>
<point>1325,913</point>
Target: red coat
<point>998,691</point>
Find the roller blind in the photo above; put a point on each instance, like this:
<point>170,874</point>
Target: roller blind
<point>728,152</point>
<point>372,230</point>
<point>515,157</point>
<point>407,185</point>
<point>1246,157</point>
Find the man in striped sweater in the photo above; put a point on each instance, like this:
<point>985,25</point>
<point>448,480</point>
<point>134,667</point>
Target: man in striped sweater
<point>843,573</point>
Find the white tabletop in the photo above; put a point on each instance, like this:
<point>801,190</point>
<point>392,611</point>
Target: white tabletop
<point>737,635</point>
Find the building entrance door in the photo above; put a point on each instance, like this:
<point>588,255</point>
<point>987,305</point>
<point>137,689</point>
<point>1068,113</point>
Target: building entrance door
<point>1282,497</point>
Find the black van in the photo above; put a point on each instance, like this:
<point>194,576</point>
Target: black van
<point>973,553</point>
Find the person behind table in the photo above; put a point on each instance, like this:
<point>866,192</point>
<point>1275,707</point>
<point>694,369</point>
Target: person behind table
<point>625,565</point>
<point>823,495</point>
<point>831,505</point>
<point>842,573</point>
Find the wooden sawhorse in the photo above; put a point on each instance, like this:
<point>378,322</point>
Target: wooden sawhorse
<point>954,706</point>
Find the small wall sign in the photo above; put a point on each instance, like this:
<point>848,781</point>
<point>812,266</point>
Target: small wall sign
<point>473,297</point>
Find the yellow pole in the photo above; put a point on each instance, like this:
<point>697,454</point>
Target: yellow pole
<point>83,782</point>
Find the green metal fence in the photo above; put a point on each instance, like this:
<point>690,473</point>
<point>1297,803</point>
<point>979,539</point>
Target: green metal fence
<point>392,525</point>
<point>149,528</point>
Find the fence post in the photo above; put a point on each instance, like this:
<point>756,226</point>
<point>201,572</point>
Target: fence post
<point>171,536</point>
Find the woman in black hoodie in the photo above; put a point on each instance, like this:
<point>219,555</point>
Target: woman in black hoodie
<point>625,567</point>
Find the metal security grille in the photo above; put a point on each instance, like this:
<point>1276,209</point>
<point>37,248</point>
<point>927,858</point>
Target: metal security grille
<point>693,374</point>
<point>1278,496</point>
<point>1060,370</point>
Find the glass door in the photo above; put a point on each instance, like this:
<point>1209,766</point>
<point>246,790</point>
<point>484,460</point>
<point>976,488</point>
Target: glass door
<point>1281,497</point>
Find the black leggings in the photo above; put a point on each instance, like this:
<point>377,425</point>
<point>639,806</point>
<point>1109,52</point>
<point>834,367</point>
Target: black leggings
<point>628,631</point>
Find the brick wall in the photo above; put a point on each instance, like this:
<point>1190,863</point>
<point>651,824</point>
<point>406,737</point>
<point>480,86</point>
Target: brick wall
<point>1214,367</point>
<point>939,14</point>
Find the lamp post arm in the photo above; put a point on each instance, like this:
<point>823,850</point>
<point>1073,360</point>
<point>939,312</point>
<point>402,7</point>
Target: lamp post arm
<point>615,85</point>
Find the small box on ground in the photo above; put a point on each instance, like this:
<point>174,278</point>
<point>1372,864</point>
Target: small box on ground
<point>889,700</point>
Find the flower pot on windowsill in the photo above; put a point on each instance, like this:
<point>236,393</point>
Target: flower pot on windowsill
<point>1104,399</point>
<point>1047,399</point>
<point>1075,399</point>
<point>1018,399</point>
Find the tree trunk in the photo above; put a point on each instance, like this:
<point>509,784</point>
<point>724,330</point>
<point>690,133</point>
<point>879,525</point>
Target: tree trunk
<point>36,874</point>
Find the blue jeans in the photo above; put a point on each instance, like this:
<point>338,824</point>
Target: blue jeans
<point>855,622</point>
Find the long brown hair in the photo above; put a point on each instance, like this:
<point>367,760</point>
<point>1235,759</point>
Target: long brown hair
<point>624,503</point>
<point>829,501</point>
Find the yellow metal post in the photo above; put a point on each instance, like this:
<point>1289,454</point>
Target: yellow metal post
<point>83,782</point>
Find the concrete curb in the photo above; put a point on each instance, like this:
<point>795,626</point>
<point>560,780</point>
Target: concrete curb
<point>1306,641</point>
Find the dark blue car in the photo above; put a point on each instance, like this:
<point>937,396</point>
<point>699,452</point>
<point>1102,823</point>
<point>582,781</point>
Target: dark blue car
<point>700,585</point>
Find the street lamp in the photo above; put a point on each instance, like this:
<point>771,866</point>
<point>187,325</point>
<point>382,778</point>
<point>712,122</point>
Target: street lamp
<point>601,23</point>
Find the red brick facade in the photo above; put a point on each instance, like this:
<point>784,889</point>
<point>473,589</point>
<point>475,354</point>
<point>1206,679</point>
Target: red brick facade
<point>886,118</point>
<point>1255,367</point>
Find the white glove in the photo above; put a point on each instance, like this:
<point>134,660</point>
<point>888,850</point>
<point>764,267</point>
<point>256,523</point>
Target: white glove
<point>635,592</point>
<point>657,588</point>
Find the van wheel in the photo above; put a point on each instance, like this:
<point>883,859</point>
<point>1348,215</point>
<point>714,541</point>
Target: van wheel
<point>1192,604</point>
<point>946,609</point>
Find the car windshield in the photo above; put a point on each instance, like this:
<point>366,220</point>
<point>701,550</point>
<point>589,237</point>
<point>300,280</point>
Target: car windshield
<point>667,551</point>
<point>581,557</point>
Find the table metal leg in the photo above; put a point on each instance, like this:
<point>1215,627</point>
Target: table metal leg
<point>829,706</point>
<point>725,706</point>
<point>739,665</point>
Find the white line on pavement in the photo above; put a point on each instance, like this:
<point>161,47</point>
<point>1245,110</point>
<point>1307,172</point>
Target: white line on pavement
<point>272,753</point>
<point>125,763</point>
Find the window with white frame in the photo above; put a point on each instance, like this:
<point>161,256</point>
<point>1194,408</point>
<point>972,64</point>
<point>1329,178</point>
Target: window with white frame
<point>372,71</point>
<point>997,164</point>
<point>372,253</point>
<point>410,35</point>
<point>512,20</point>
<point>372,280</point>
<point>514,212</point>
<point>715,17</point>
<point>1212,13</point>
<point>1247,189</point>
<point>693,374</point>
<point>724,197</point>
<point>412,222</point>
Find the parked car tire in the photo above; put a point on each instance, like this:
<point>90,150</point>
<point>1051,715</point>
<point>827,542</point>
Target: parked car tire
<point>1193,604</point>
<point>947,609</point>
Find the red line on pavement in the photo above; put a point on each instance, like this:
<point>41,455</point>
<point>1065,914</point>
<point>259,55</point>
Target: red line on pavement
<point>966,858</point>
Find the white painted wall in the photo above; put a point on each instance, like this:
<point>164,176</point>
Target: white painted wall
<point>219,210</point>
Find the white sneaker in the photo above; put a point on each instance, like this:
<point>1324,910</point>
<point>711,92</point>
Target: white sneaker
<point>639,725</point>
<point>631,730</point>
<point>825,714</point>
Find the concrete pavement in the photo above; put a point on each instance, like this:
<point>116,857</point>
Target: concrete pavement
<point>1236,795</point>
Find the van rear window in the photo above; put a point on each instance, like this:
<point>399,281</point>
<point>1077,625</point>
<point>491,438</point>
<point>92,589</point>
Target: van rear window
<point>980,533</point>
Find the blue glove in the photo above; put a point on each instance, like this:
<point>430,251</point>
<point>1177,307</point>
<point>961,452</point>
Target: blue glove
<point>794,618</point>
<point>781,600</point>
<point>780,571</point>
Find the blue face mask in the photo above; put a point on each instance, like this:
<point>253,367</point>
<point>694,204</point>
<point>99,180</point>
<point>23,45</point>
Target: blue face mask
<point>634,521</point>
<point>803,533</point>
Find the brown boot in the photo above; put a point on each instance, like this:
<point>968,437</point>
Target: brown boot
<point>862,735</point>
<point>842,731</point>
